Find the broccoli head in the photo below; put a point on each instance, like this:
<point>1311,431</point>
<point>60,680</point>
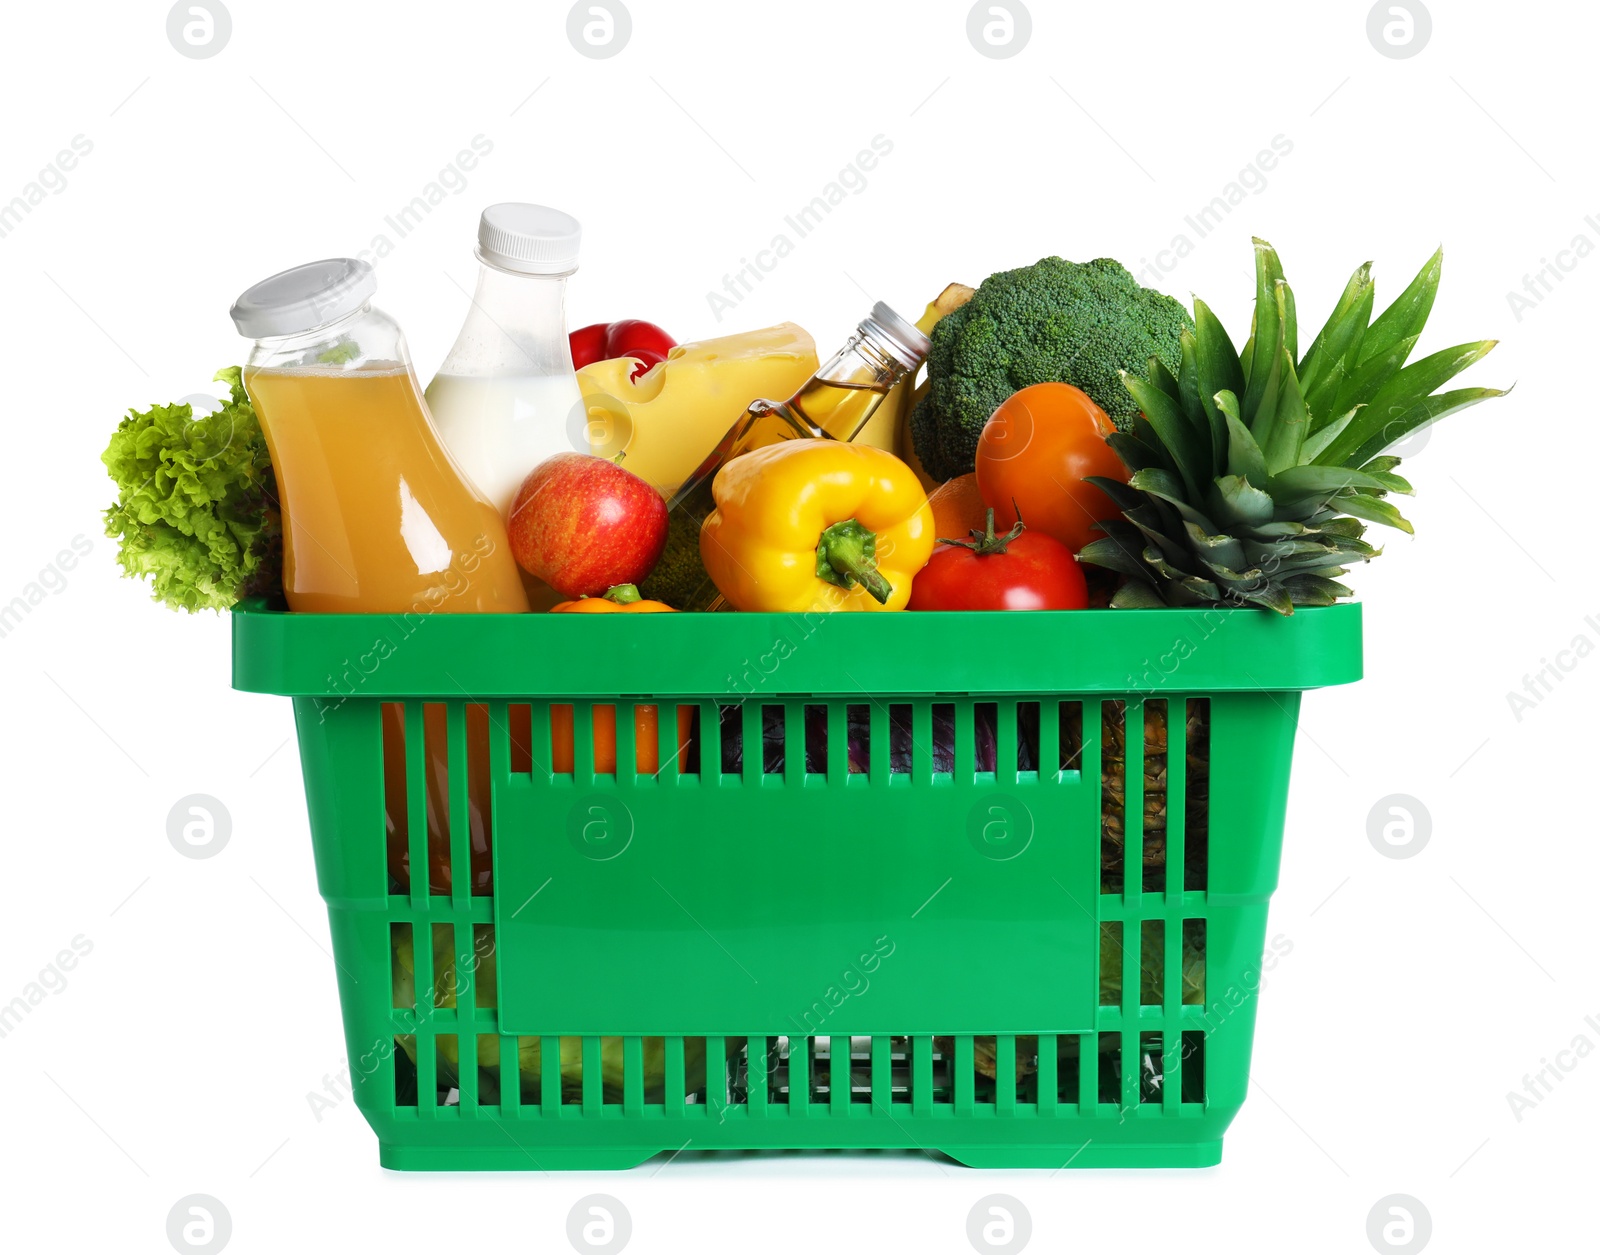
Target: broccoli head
<point>1054,321</point>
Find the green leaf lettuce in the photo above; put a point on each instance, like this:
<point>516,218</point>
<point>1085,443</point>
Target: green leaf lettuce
<point>197,504</point>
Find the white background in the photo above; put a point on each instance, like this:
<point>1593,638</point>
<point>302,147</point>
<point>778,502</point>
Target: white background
<point>179,1056</point>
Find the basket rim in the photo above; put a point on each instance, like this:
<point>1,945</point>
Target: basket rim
<point>543,656</point>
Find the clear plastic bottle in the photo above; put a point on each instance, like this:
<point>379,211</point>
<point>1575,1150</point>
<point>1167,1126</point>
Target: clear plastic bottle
<point>376,516</point>
<point>506,397</point>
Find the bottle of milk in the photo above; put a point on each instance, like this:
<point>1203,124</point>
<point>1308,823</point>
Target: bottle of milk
<point>506,397</point>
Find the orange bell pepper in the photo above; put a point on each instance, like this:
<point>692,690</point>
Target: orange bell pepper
<point>646,738</point>
<point>624,599</point>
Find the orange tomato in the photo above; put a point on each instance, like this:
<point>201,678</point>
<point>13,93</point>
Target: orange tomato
<point>957,507</point>
<point>1033,455</point>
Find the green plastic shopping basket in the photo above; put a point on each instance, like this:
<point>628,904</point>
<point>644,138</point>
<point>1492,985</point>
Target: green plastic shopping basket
<point>991,885</point>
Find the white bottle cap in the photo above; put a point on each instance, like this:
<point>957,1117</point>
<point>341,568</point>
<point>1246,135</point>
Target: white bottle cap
<point>529,239</point>
<point>308,296</point>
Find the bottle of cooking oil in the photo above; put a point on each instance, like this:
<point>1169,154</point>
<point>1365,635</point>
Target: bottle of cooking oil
<point>834,404</point>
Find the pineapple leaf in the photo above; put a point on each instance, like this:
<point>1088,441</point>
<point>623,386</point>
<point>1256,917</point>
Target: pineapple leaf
<point>1319,481</point>
<point>1293,548</point>
<point>1135,454</point>
<point>1348,528</point>
<point>1344,548</point>
<point>1158,374</point>
<point>1287,317</point>
<point>1374,510</point>
<point>1268,330</point>
<point>1122,496</point>
<point>1378,465</point>
<point>1216,550</point>
<point>1174,431</point>
<point>1244,454</point>
<point>1165,485</point>
<point>1161,537</point>
<point>1333,353</point>
<point>1155,452</point>
<point>1269,278</point>
<point>1428,410</point>
<point>1309,564</point>
<point>1122,533</point>
<point>1137,596</point>
<point>1237,502</point>
<point>1390,482</point>
<point>1262,417</point>
<point>1400,396</point>
<point>1272,596</point>
<point>1303,489</point>
<point>1306,555</point>
<point>1157,482</point>
<point>1280,531</point>
<point>1196,587</point>
<point>1189,395</point>
<point>1218,370</point>
<point>1372,374</point>
<point>1314,590</point>
<point>1404,319</point>
<point>1121,553</point>
<point>1325,436</point>
<point>1290,423</point>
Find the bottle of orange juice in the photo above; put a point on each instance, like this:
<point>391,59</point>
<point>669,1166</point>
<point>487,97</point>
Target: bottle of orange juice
<point>377,518</point>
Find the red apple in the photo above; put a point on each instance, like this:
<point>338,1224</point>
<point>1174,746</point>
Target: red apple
<point>583,524</point>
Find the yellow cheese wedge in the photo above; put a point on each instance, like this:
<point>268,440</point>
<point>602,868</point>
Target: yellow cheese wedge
<point>669,418</point>
<point>672,415</point>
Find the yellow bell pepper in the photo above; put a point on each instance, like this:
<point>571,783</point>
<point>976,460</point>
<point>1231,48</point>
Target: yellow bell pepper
<point>809,525</point>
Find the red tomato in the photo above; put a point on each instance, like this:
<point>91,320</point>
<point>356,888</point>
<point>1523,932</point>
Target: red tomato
<point>1021,570</point>
<point>625,338</point>
<point>1034,454</point>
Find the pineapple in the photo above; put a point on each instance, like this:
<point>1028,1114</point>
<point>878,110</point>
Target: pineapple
<point>1148,865</point>
<point>1254,474</point>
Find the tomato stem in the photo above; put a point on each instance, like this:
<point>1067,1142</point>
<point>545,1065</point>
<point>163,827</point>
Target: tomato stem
<point>986,542</point>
